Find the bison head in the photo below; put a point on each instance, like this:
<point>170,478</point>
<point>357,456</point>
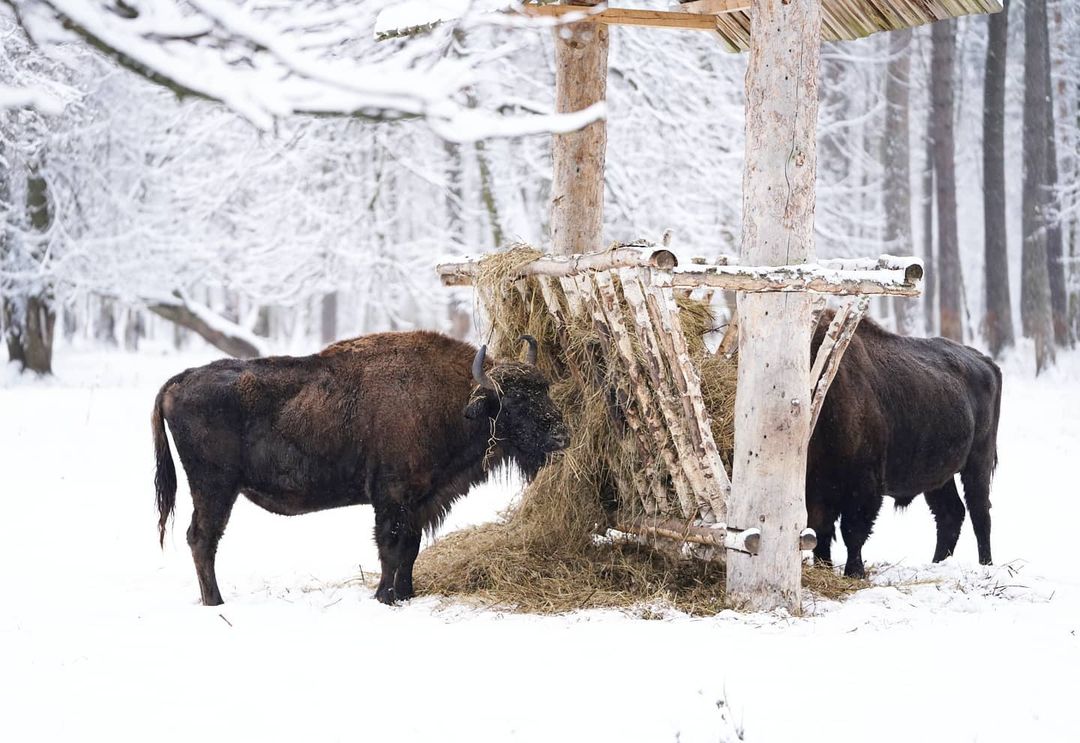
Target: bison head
<point>514,396</point>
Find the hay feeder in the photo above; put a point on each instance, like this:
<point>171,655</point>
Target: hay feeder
<point>629,296</point>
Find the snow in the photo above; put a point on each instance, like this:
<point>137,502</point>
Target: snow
<point>102,638</point>
<point>14,97</point>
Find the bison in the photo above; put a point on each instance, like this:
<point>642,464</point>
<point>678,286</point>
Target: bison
<point>903,416</point>
<point>407,422</point>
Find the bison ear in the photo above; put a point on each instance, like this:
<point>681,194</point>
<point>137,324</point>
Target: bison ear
<point>477,407</point>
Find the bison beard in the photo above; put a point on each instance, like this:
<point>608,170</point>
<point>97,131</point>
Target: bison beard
<point>407,422</point>
<point>903,416</point>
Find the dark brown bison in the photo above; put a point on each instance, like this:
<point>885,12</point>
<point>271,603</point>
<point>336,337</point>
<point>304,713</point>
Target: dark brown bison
<point>407,422</point>
<point>903,417</point>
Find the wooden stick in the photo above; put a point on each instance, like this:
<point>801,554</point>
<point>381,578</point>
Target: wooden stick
<point>666,395</point>
<point>850,323</point>
<point>731,335</point>
<point>462,271</point>
<point>647,407</point>
<point>646,481</point>
<point>666,312</point>
<point>829,341</point>
<point>711,535</point>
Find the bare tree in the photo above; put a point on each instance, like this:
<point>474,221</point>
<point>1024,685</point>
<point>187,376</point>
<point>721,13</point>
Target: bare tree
<point>29,319</point>
<point>1035,311</point>
<point>997,324</point>
<point>942,94</point>
<point>1059,303</point>
<point>897,184</point>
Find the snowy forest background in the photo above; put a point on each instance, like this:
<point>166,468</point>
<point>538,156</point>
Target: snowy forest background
<point>131,216</point>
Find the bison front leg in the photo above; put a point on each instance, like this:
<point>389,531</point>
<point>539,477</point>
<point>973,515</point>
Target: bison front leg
<point>821,516</point>
<point>398,540</point>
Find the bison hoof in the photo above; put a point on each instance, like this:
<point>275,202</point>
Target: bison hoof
<point>855,571</point>
<point>386,595</point>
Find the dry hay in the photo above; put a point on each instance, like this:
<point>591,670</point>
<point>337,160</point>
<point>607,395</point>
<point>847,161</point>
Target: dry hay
<point>545,555</point>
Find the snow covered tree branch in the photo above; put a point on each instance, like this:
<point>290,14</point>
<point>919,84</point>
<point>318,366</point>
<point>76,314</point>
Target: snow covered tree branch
<point>284,58</point>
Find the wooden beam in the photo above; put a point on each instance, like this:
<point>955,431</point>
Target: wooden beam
<point>462,271</point>
<point>623,16</point>
<point>799,278</point>
<point>714,7</point>
<point>839,335</point>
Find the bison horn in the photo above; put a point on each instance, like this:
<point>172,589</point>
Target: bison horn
<point>478,372</point>
<point>530,357</point>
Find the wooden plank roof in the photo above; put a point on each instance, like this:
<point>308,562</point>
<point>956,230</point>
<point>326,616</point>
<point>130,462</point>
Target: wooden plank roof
<point>841,20</point>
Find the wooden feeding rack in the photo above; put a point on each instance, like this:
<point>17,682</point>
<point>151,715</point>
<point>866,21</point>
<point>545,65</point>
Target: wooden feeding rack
<point>628,295</point>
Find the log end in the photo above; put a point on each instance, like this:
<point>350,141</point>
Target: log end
<point>664,259</point>
<point>913,273</point>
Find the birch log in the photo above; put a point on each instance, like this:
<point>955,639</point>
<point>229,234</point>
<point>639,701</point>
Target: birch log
<point>577,189</point>
<point>772,405</point>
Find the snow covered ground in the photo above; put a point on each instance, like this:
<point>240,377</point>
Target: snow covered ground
<point>101,635</point>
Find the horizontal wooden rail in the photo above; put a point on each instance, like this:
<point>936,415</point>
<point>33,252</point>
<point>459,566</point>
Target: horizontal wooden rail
<point>808,277</point>
<point>624,16</point>
<point>462,271</point>
<point>886,275</point>
<point>708,535</point>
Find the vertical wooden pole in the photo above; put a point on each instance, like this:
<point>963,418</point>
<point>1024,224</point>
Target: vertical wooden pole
<point>577,191</point>
<point>772,406</point>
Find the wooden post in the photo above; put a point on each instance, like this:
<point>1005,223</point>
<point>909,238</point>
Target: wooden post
<point>772,406</point>
<point>577,189</point>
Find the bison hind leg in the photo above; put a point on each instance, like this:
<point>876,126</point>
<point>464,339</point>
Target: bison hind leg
<point>948,510</point>
<point>856,523</point>
<point>213,505</point>
<point>976,478</point>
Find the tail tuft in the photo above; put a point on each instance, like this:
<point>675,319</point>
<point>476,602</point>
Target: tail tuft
<point>165,476</point>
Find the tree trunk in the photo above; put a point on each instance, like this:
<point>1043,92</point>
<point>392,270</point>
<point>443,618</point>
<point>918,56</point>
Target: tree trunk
<point>577,191</point>
<point>997,324</point>
<point>31,320</point>
<point>1059,303</point>
<point>328,317</point>
<point>1035,313</point>
<point>897,195</point>
<point>772,405</point>
<point>455,194</point>
<point>930,286</point>
<point>942,91</point>
<point>134,330</point>
<point>487,194</point>
<point>105,328</point>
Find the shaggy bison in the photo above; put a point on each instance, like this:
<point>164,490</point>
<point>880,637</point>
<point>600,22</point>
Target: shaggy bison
<point>903,417</point>
<point>404,421</point>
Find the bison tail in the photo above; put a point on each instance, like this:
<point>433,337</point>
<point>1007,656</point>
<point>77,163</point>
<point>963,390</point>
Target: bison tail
<point>165,476</point>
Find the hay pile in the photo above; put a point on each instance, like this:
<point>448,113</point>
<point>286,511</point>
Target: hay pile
<point>545,555</point>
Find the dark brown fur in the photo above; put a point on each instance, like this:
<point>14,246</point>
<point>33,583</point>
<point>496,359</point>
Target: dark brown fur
<point>392,419</point>
<point>903,417</point>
